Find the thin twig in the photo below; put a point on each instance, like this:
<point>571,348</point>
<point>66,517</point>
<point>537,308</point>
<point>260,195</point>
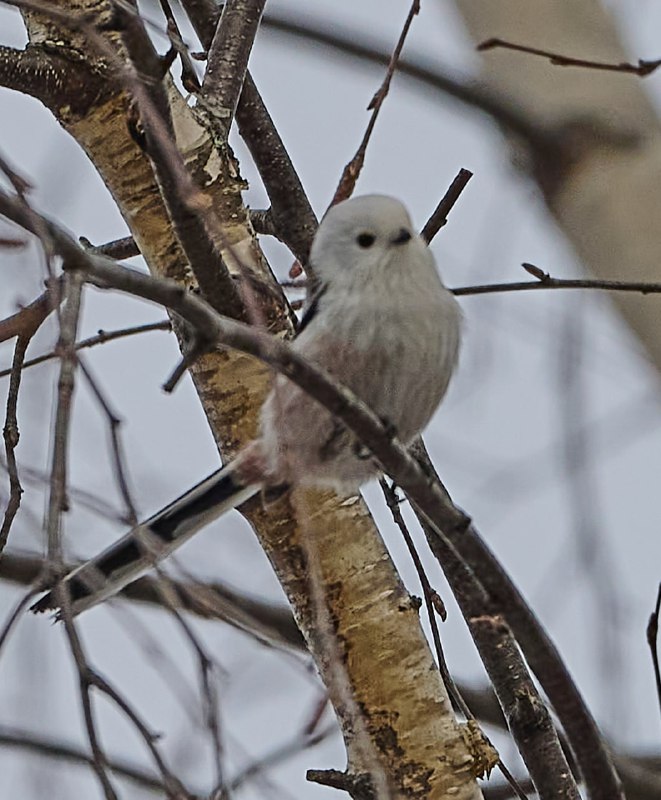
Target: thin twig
<point>49,748</point>
<point>99,761</point>
<point>430,595</point>
<point>432,602</point>
<point>440,216</point>
<point>189,78</point>
<point>119,249</point>
<point>114,422</point>
<point>206,669</point>
<point>292,214</point>
<point>174,787</point>
<point>89,679</point>
<point>26,321</point>
<point>101,338</point>
<point>353,169</point>
<point>642,68</point>
<point>19,608</point>
<point>652,641</point>
<point>11,436</point>
<point>545,281</point>
<point>69,319</point>
<point>194,350</point>
<point>93,502</point>
<point>12,244</point>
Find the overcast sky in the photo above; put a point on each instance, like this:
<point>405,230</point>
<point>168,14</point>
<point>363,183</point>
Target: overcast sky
<point>539,371</point>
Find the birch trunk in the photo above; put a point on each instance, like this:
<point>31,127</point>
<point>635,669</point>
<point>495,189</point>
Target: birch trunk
<point>360,623</point>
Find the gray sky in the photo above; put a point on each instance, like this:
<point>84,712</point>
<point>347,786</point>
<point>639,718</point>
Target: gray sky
<point>533,365</point>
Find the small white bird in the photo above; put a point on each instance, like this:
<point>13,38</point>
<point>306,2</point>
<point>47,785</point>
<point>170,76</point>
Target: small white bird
<point>380,322</point>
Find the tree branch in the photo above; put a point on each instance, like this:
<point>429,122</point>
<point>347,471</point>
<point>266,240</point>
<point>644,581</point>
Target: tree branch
<point>227,62</point>
<point>642,68</point>
<point>352,170</point>
<point>266,622</point>
<point>439,217</point>
<point>188,207</point>
<point>290,207</point>
<point>591,754</point>
<point>429,75</point>
<point>50,77</point>
<point>43,746</point>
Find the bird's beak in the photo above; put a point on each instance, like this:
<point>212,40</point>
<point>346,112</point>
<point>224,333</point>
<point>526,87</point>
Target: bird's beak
<point>402,237</point>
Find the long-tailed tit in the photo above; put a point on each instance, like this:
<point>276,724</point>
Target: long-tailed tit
<point>379,321</point>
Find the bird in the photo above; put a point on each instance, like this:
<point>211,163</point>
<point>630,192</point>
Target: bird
<point>380,321</point>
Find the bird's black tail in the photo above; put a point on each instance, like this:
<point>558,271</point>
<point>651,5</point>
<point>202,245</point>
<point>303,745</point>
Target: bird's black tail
<point>150,541</point>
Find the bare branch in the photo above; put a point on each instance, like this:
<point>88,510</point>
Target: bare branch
<point>292,213</point>
<point>50,748</point>
<point>51,78</point>
<point>98,760</point>
<point>24,323</point>
<point>440,216</point>
<point>119,249</point>
<point>101,338</point>
<point>527,717</point>
<point>290,207</point>
<point>353,169</point>
<point>652,641</point>
<point>189,78</point>
<point>227,62</point>
<point>90,679</point>
<point>503,598</point>
<point>114,423</point>
<point>642,69</point>
<point>11,436</point>
<point>432,601</point>
<point>68,326</point>
<point>545,281</point>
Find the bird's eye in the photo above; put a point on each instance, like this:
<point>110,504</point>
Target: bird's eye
<point>365,239</point>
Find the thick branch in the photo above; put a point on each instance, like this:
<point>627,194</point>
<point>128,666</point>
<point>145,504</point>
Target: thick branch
<point>591,754</point>
<point>227,62</point>
<point>527,717</point>
<point>51,78</point>
<point>290,207</point>
<point>187,206</point>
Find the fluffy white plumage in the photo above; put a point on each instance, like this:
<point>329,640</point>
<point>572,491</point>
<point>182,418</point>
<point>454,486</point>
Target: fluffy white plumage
<point>381,322</point>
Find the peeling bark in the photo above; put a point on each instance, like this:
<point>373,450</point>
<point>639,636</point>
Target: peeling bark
<point>361,626</point>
